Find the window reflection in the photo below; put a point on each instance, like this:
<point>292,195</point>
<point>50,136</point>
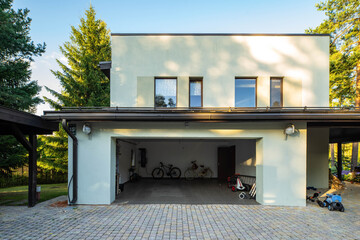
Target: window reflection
<point>165,92</point>
<point>245,92</point>
<point>276,92</point>
<point>195,93</point>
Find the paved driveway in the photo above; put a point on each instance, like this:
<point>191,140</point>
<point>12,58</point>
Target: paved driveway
<point>182,221</point>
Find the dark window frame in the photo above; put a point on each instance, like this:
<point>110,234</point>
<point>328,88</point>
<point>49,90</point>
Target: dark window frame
<point>281,90</point>
<point>166,77</point>
<point>196,79</point>
<point>246,78</point>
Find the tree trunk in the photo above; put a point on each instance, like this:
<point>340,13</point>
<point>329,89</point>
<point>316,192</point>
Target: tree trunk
<point>332,151</point>
<point>354,159</point>
<point>354,156</point>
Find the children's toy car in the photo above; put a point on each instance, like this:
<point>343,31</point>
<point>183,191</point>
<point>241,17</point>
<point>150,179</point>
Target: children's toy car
<point>231,181</point>
<point>234,182</point>
<point>332,202</point>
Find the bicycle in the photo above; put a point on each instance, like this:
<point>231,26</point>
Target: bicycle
<point>195,172</point>
<point>173,172</point>
<point>133,176</point>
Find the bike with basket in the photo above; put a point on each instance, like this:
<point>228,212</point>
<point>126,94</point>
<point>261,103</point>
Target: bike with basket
<point>197,171</point>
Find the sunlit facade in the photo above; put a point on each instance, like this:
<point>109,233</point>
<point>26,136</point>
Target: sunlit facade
<point>182,96</point>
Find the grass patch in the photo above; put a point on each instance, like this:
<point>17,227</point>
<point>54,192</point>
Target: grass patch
<point>15,196</point>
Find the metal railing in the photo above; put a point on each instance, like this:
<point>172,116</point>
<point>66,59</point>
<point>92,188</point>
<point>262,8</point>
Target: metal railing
<point>212,109</point>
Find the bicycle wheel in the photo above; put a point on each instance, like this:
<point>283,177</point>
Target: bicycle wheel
<point>190,174</point>
<point>242,195</point>
<point>208,173</point>
<point>175,172</point>
<point>157,173</point>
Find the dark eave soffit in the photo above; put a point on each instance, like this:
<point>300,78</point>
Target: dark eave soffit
<point>105,68</point>
<point>203,114</point>
<point>28,123</point>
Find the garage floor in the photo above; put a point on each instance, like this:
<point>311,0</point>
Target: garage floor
<point>179,191</point>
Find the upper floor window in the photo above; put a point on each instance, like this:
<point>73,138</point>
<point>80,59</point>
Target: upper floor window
<point>165,92</point>
<point>195,96</point>
<point>276,99</point>
<point>245,92</point>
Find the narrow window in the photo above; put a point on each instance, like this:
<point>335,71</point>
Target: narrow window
<point>276,92</point>
<point>195,92</point>
<point>165,92</point>
<point>245,92</point>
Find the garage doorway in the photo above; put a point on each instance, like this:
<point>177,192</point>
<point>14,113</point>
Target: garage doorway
<point>144,155</point>
<point>226,162</point>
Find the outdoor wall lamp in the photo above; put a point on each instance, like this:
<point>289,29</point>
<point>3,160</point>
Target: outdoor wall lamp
<point>87,128</point>
<point>290,130</point>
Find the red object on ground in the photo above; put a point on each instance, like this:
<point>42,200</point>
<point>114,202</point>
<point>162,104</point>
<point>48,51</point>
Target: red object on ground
<point>59,204</point>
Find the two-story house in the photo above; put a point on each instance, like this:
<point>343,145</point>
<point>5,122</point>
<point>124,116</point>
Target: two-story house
<point>185,97</point>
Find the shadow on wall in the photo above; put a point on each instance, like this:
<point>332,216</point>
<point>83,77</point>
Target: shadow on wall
<point>284,171</point>
<point>246,157</point>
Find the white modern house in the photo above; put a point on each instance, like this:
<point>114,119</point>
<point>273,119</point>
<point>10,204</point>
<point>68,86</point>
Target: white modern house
<point>224,100</point>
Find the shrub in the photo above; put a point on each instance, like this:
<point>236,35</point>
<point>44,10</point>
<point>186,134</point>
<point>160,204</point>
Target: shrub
<point>24,180</point>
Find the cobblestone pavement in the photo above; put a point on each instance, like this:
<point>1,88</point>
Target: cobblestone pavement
<point>177,221</point>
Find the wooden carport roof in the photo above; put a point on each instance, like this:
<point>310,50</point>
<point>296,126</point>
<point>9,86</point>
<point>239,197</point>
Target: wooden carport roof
<point>22,124</point>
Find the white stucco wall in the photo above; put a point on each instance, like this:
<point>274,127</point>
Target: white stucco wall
<point>96,162</point>
<point>303,61</point>
<point>280,163</point>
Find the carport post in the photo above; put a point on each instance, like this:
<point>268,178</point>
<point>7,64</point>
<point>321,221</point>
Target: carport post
<point>339,162</point>
<point>32,170</point>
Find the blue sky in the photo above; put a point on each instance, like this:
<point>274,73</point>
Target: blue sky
<point>52,21</point>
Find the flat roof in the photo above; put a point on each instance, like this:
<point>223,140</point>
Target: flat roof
<point>219,34</point>
<point>344,123</point>
<point>28,123</point>
<point>322,116</point>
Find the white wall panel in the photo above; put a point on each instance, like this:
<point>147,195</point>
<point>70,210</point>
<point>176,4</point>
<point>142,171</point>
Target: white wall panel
<point>302,60</point>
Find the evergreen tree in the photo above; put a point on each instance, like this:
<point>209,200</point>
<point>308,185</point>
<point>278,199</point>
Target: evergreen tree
<point>17,91</point>
<point>83,83</point>
<point>343,25</point>
<point>53,152</point>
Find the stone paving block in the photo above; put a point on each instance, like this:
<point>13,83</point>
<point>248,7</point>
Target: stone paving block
<point>172,221</point>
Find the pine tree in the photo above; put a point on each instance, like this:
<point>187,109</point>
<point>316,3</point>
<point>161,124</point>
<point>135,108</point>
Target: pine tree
<point>17,91</point>
<point>343,25</point>
<point>83,83</point>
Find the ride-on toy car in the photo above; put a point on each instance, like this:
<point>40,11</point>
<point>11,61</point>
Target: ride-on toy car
<point>332,202</point>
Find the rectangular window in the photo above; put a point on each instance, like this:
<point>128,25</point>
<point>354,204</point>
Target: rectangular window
<point>245,92</point>
<point>276,92</point>
<point>165,92</point>
<point>195,94</point>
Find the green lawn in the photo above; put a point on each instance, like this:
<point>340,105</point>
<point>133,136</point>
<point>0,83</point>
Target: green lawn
<point>18,195</point>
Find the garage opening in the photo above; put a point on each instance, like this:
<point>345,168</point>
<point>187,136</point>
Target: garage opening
<point>183,171</point>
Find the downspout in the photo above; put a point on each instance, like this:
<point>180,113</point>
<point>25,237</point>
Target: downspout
<point>75,163</point>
